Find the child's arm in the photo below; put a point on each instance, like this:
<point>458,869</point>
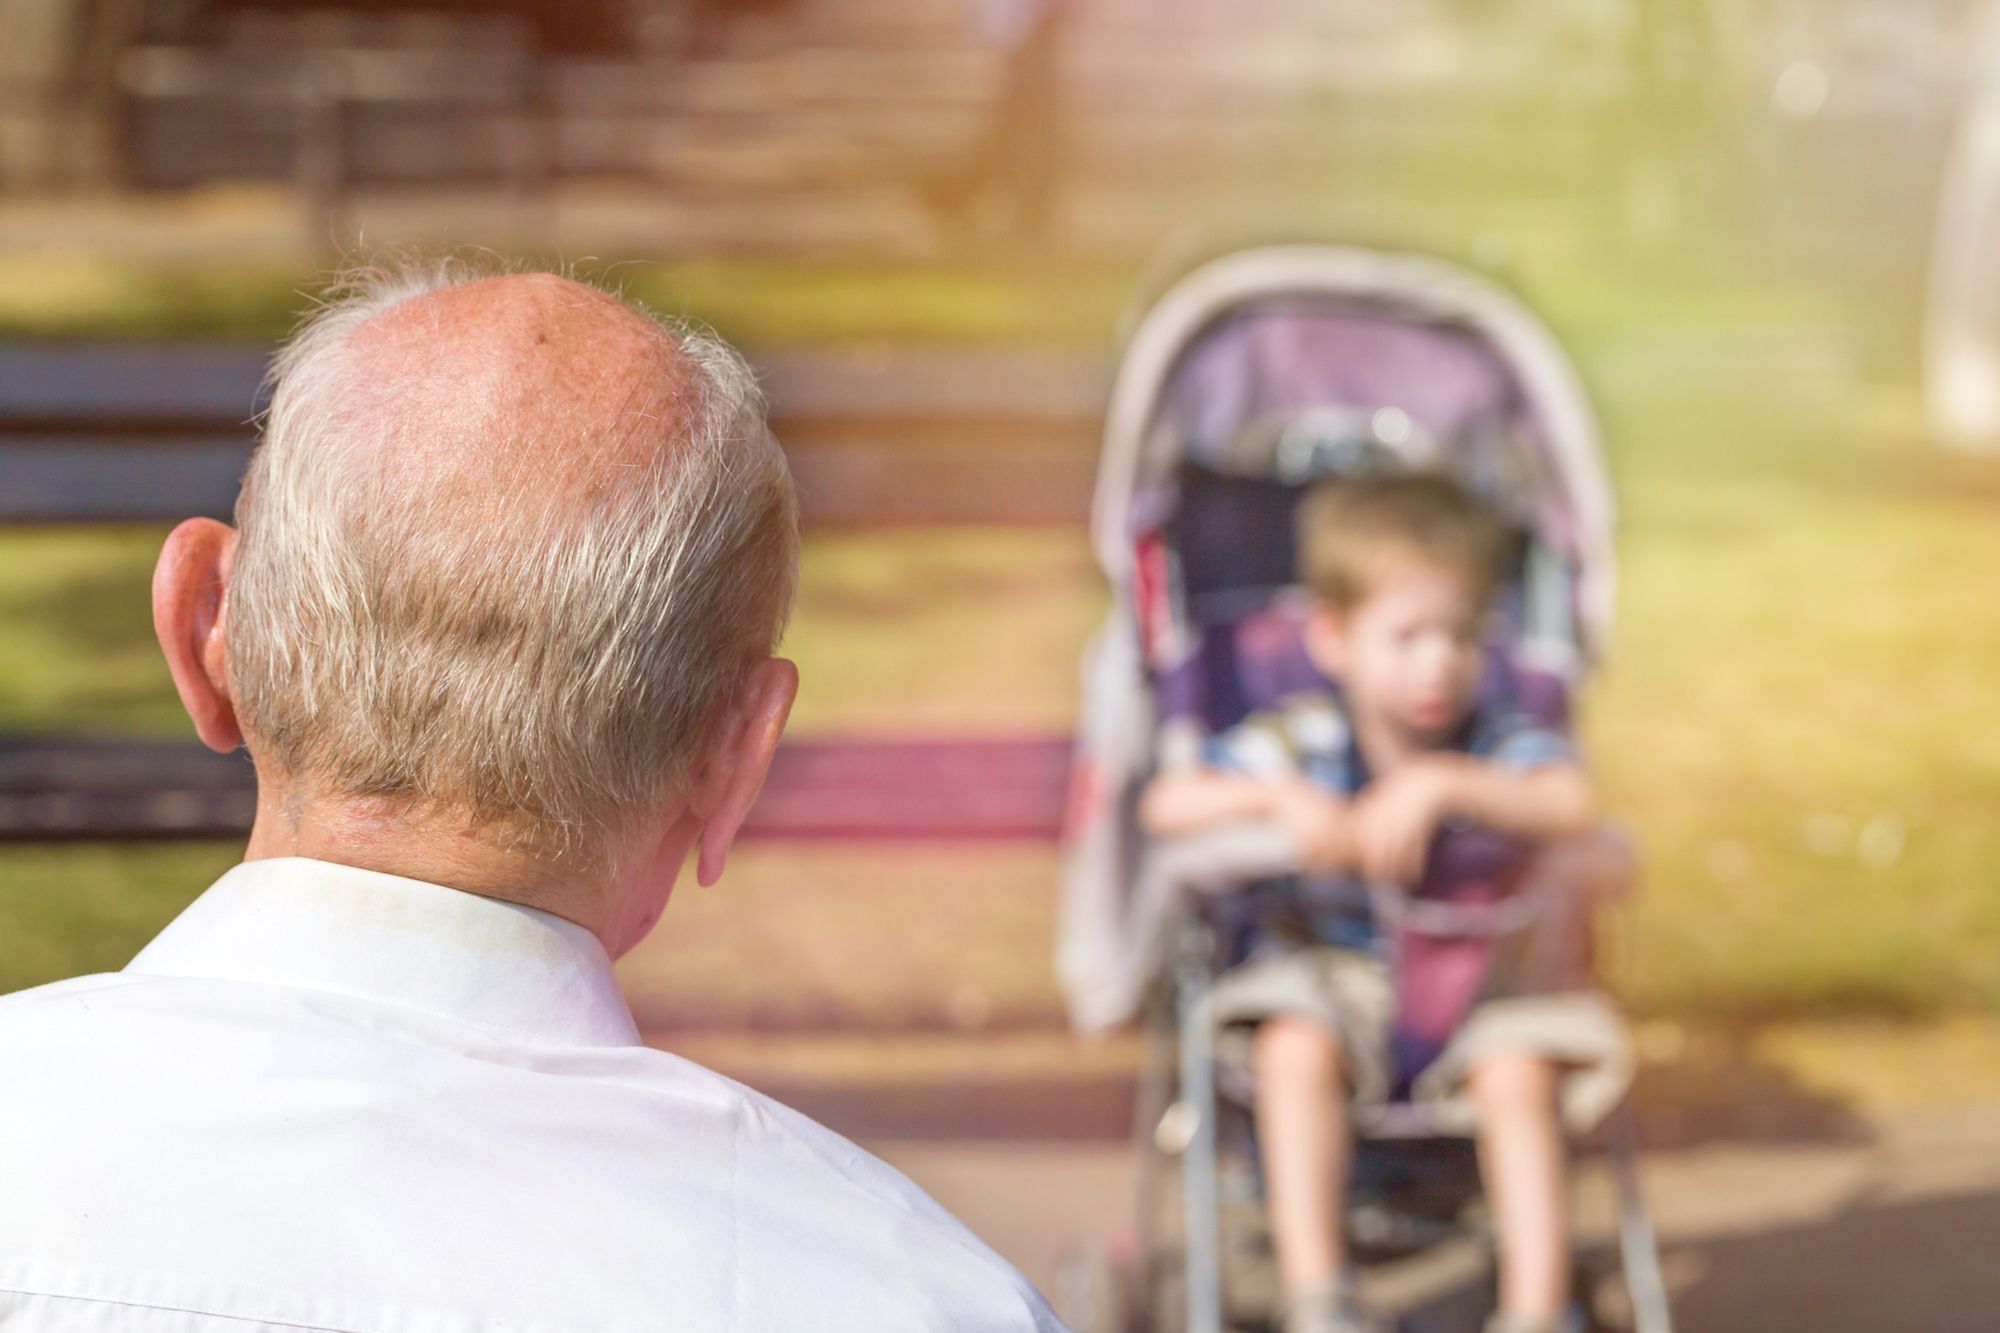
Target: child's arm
<point>1396,818</point>
<point>1543,803</point>
<point>1194,799</point>
<point>1203,798</point>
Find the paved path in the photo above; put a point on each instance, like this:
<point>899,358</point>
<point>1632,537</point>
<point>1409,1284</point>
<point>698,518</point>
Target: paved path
<point>1779,1212</point>
<point>1895,1232</point>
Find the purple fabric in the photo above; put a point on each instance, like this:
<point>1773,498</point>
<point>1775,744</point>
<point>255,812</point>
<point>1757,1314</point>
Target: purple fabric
<point>1439,978</point>
<point>1256,663</point>
<point>1279,360</point>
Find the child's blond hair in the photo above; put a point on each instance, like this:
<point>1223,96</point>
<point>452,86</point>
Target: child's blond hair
<point>1348,528</point>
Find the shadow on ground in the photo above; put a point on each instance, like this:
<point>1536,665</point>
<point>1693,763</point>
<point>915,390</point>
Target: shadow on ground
<point>1714,1087</point>
<point>1874,1265</point>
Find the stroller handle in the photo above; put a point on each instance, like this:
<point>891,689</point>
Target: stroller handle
<point>1215,860</point>
<point>1511,915</point>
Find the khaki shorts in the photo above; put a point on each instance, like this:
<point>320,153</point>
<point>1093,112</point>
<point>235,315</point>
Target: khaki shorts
<point>1349,993</point>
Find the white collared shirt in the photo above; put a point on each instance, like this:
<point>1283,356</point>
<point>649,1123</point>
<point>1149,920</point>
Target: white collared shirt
<point>327,1098</point>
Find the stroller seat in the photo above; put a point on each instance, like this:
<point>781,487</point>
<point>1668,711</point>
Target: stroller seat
<point>1445,937</point>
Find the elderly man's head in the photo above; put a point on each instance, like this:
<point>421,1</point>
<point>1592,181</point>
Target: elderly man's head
<point>508,559</point>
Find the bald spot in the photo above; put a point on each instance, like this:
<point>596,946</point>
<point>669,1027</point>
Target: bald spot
<point>528,389</point>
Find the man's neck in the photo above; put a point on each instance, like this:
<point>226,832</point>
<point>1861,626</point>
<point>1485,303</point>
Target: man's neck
<point>381,835</point>
<point>616,890</point>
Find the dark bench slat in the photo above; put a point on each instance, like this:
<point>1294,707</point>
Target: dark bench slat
<point>95,480</point>
<point>131,385</point>
<point>64,790</point>
<point>126,388</point>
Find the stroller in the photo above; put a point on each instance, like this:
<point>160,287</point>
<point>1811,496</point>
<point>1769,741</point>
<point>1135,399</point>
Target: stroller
<point>1248,380</point>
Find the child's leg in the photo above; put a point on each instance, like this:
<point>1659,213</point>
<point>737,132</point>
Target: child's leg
<point>1302,1131</point>
<point>1521,1159</point>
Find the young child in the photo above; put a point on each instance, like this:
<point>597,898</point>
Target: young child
<point>1402,570</point>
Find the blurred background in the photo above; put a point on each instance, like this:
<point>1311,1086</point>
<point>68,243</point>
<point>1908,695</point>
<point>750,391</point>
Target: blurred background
<point>1761,228</point>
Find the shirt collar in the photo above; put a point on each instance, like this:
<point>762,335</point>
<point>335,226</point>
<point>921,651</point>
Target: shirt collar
<point>296,921</point>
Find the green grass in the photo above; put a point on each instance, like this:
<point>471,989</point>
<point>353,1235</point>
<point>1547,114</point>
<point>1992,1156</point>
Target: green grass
<point>70,910</point>
<point>80,655</point>
<point>1802,724</point>
<point>753,302</point>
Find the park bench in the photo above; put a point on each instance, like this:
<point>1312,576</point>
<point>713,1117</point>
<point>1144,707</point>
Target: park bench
<point>139,433</point>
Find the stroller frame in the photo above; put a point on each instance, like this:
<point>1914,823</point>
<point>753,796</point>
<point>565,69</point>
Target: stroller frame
<point>1132,944</point>
<point>1177,1113</point>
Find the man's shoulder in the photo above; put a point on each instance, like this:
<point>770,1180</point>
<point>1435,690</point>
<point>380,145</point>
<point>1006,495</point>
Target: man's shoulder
<point>810,1205</point>
<point>772,1207</point>
<point>69,994</point>
<point>795,1148</point>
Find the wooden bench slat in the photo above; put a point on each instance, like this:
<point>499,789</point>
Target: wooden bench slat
<point>848,789</point>
<point>138,385</point>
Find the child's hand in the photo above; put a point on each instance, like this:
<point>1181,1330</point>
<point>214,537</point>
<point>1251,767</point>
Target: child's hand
<point>1319,822</point>
<point>1395,818</point>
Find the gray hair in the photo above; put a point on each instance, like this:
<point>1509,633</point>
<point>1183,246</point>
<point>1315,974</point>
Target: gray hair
<point>554,667</point>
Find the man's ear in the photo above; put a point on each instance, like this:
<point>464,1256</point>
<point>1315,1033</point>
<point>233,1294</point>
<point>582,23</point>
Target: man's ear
<point>189,609</point>
<point>738,759</point>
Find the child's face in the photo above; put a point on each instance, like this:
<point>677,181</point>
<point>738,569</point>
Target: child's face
<point>1409,654</point>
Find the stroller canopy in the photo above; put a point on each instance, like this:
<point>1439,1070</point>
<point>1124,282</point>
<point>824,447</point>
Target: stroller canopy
<point>1427,349</point>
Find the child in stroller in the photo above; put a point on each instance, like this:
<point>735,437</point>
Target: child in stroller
<point>1404,771</point>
